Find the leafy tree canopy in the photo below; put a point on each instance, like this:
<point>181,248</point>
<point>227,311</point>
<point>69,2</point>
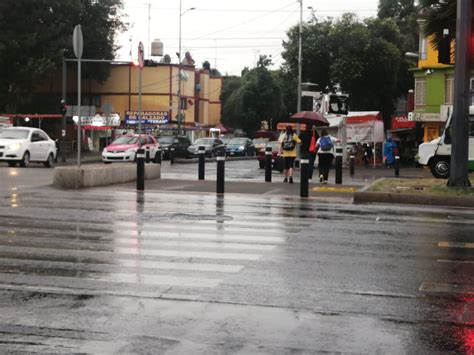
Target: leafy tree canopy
<point>366,58</point>
<point>256,97</point>
<point>438,16</point>
<point>35,35</point>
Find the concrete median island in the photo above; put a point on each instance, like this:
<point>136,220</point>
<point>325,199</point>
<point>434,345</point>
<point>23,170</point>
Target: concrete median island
<point>72,177</point>
<point>416,191</point>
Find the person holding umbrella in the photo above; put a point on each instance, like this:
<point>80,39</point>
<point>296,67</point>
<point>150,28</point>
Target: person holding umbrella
<point>309,147</point>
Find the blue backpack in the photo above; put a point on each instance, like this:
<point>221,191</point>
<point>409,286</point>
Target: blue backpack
<point>325,143</point>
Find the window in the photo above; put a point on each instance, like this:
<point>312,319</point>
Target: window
<point>420,91</point>
<point>184,103</point>
<point>471,88</point>
<point>423,41</point>
<point>36,137</point>
<point>471,126</point>
<point>449,90</point>
<point>423,47</point>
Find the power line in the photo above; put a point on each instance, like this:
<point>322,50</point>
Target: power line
<point>245,22</point>
<point>254,10</point>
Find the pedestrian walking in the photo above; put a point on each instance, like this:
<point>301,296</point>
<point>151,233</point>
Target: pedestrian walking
<point>367,153</point>
<point>309,147</point>
<point>389,148</point>
<point>288,145</point>
<point>325,155</point>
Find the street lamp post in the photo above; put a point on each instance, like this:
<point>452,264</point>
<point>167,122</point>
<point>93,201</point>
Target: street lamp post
<point>179,65</point>
<point>300,59</point>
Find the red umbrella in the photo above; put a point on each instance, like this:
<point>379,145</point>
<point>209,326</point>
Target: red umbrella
<point>309,118</point>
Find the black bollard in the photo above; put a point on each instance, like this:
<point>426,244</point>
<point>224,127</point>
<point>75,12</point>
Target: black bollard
<point>304,165</point>
<point>338,165</point>
<point>397,166</point>
<point>141,169</point>
<point>351,165</point>
<point>171,156</point>
<point>268,164</point>
<point>157,158</point>
<point>220,173</point>
<point>202,160</point>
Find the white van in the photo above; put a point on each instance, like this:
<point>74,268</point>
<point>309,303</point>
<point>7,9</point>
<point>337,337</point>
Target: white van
<point>437,153</point>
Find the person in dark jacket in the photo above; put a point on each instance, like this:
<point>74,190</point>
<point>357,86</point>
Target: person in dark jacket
<point>309,147</point>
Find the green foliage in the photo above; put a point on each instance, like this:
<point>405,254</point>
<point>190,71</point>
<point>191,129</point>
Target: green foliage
<point>439,16</point>
<point>35,35</point>
<point>366,58</point>
<point>256,97</point>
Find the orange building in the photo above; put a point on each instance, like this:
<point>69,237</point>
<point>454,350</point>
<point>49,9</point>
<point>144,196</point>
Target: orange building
<point>200,97</point>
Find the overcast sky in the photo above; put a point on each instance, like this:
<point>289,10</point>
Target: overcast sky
<point>229,34</point>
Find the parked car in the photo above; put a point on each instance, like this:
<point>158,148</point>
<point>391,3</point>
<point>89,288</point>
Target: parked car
<point>260,143</point>
<point>179,143</point>
<point>277,159</point>
<point>26,144</point>
<point>225,140</point>
<point>212,145</point>
<point>125,147</point>
<point>240,146</point>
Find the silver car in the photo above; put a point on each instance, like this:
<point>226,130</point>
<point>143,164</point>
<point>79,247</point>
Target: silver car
<point>26,144</point>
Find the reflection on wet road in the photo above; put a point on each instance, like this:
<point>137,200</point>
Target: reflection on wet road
<point>112,271</point>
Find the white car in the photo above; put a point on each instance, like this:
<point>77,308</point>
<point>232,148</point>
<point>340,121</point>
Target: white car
<point>26,144</point>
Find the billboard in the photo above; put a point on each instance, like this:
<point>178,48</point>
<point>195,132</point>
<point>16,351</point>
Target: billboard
<point>148,117</point>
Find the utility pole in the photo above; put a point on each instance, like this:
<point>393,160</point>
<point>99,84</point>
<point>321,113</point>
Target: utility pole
<point>459,174</point>
<point>300,59</point>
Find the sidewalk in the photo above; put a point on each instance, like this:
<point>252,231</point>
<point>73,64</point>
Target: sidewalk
<point>352,190</point>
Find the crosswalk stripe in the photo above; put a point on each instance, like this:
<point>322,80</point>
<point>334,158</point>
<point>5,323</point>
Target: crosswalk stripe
<point>456,245</point>
<point>189,254</point>
<point>218,237</point>
<point>106,280</point>
<point>446,287</point>
<point>130,251</point>
<point>95,292</point>
<point>117,263</point>
<point>455,261</point>
<point>135,241</point>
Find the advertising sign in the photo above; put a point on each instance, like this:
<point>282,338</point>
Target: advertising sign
<point>148,117</point>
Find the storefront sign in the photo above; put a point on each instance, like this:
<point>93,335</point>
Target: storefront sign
<point>148,117</point>
<point>425,117</point>
<point>402,122</point>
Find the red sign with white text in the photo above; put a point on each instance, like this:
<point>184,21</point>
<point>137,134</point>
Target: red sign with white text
<point>402,122</point>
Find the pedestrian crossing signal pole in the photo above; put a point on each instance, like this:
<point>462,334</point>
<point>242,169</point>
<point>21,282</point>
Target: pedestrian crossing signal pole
<point>459,173</point>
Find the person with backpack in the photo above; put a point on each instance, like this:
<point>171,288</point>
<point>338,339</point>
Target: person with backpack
<point>288,146</point>
<point>309,147</point>
<point>326,154</point>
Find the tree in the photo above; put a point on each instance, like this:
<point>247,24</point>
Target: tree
<point>34,37</point>
<point>365,58</point>
<point>439,16</point>
<point>256,98</point>
<point>405,13</point>
<point>316,60</point>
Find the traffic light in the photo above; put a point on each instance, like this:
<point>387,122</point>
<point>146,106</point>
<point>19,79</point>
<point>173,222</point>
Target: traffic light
<point>339,104</point>
<point>62,107</point>
<point>444,48</point>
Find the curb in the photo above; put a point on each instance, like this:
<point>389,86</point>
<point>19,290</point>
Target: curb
<point>210,160</point>
<point>365,196</point>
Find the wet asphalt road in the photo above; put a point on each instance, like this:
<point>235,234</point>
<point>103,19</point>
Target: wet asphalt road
<point>108,271</point>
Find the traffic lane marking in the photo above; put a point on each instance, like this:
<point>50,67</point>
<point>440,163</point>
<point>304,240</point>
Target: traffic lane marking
<point>455,245</point>
<point>334,189</point>
<point>441,287</point>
